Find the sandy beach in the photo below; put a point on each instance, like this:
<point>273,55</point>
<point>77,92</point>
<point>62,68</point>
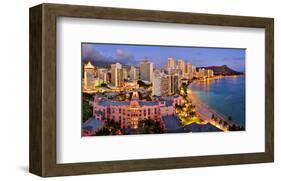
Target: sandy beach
<point>205,112</point>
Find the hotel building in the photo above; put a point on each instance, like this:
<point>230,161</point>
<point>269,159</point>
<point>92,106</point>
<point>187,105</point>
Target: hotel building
<point>174,84</point>
<point>171,63</point>
<point>116,74</point>
<point>133,73</point>
<point>190,71</point>
<point>160,84</point>
<point>146,71</point>
<point>102,75</point>
<point>203,73</point>
<point>181,66</point>
<point>128,113</point>
<point>210,73</point>
<point>89,76</point>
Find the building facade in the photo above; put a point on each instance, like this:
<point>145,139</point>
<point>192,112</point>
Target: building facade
<point>116,73</point>
<point>102,75</point>
<point>128,113</point>
<point>160,84</point>
<point>174,84</point>
<point>89,76</point>
<point>171,63</point>
<point>182,66</point>
<point>133,73</point>
<point>146,71</point>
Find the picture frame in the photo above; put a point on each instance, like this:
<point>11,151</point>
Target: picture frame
<point>43,96</point>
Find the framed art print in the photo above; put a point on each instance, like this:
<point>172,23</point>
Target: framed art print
<point>114,90</point>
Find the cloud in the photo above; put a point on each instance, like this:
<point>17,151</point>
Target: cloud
<point>124,57</point>
<point>90,53</point>
<point>121,53</point>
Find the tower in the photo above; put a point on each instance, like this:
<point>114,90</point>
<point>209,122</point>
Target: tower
<point>116,74</point>
<point>171,63</point>
<point>146,71</point>
<point>89,76</point>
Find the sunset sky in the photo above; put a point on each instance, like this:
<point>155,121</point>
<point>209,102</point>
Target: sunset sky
<point>133,54</point>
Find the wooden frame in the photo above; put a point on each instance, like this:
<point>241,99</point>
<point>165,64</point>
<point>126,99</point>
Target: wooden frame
<point>43,89</point>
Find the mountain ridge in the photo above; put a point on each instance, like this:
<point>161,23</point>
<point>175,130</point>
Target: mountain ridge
<point>222,70</point>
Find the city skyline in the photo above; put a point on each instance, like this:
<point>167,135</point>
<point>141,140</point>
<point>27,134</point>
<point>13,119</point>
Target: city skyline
<point>124,92</point>
<point>134,54</point>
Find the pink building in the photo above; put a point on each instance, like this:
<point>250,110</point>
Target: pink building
<point>128,113</point>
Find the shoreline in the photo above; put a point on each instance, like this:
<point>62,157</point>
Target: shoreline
<point>216,77</point>
<point>205,112</point>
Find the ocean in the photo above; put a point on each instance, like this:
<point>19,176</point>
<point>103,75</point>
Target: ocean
<point>225,95</point>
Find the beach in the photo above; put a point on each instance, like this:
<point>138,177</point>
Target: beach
<point>205,112</point>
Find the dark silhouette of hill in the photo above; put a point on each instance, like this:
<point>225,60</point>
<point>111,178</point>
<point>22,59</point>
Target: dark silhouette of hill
<point>222,70</point>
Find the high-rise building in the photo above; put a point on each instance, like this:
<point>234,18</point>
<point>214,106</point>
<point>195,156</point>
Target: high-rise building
<point>133,73</point>
<point>146,71</point>
<point>210,73</point>
<point>137,73</point>
<point>193,69</point>
<point>116,74</point>
<point>160,84</point>
<point>188,68</point>
<point>171,63</point>
<point>89,76</point>
<point>189,71</point>
<point>102,74</point>
<point>192,75</point>
<point>124,74</point>
<point>120,79</point>
<point>181,66</point>
<point>174,84</point>
<point>108,76</point>
<point>201,73</point>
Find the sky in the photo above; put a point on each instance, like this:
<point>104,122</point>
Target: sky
<point>134,54</point>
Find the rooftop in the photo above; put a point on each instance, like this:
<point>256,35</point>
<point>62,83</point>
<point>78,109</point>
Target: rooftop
<point>92,124</point>
<point>148,103</point>
<point>106,102</point>
<point>169,103</point>
<point>171,123</point>
<point>88,66</point>
<point>201,128</point>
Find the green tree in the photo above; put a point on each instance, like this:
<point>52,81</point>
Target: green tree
<point>87,110</point>
<point>104,132</point>
<point>103,85</point>
<point>110,127</point>
<point>113,124</point>
<point>192,113</point>
<point>149,126</point>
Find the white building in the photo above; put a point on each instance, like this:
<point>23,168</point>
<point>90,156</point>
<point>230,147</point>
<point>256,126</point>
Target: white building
<point>160,84</point>
<point>171,63</point>
<point>89,76</point>
<point>133,73</point>
<point>181,66</point>
<point>116,70</point>
<point>146,71</point>
<point>102,74</point>
<point>210,73</point>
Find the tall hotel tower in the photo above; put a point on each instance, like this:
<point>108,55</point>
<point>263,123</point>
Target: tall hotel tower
<point>89,76</point>
<point>171,63</point>
<point>115,74</point>
<point>181,66</point>
<point>146,71</point>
